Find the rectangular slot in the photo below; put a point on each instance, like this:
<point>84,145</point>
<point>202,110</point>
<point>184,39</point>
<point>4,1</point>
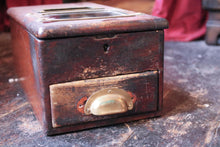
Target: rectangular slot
<point>66,9</point>
<point>85,15</point>
<point>80,13</point>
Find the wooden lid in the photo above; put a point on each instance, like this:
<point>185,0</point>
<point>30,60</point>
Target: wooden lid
<point>82,19</point>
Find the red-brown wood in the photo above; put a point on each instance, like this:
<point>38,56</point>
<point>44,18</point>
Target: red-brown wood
<point>26,64</point>
<point>55,53</point>
<point>30,18</point>
<point>65,96</point>
<point>67,59</point>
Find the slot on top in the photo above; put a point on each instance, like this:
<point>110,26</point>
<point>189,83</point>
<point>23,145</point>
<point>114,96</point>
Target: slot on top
<point>79,13</point>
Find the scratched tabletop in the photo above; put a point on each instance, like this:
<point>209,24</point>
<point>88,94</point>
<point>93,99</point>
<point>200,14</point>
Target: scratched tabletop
<point>191,113</point>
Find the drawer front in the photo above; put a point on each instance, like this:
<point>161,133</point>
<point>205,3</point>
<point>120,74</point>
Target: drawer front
<point>71,59</point>
<point>69,100</point>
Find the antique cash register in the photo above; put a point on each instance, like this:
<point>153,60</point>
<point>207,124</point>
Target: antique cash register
<point>85,65</point>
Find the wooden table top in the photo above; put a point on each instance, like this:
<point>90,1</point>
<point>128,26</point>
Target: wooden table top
<point>191,114</point>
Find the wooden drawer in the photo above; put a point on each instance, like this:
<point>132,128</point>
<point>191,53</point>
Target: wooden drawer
<point>68,99</point>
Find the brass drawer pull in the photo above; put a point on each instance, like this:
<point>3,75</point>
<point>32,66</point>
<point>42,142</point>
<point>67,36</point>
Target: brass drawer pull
<point>108,101</point>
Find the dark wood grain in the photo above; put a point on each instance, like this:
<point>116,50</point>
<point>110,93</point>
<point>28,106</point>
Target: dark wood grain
<point>85,58</point>
<point>25,64</point>
<point>78,50</point>
<point>190,115</point>
<point>48,63</point>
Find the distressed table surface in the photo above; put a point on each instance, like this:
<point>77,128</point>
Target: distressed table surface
<point>191,115</point>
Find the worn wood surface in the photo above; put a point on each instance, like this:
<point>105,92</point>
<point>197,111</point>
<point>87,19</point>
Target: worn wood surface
<point>46,62</point>
<point>134,45</point>
<point>128,53</point>
<point>190,115</point>
<point>66,96</point>
<point>40,25</point>
<point>26,71</point>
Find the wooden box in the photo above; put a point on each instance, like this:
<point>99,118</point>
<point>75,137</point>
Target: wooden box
<point>85,65</point>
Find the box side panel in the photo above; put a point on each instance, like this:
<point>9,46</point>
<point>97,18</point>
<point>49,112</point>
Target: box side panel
<point>26,67</point>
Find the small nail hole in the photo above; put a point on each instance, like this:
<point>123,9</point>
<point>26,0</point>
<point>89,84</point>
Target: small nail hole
<point>106,48</point>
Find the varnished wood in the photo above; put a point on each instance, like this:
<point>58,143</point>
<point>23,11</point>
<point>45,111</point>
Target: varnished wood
<point>142,22</point>
<point>190,115</point>
<point>65,96</point>
<point>25,65</point>
<point>56,53</point>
